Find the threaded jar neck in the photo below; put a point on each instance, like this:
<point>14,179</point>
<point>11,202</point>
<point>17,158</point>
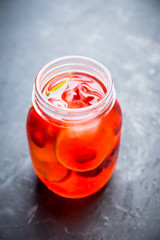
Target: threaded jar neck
<point>68,66</point>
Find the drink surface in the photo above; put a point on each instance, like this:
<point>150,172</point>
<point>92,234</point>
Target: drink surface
<point>74,159</point>
<point>75,91</point>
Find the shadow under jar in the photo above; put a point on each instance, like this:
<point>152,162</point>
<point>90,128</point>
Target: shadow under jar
<point>74,126</point>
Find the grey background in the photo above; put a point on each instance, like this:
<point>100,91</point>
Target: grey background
<point>124,36</point>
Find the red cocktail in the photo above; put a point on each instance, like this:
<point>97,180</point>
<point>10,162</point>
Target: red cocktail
<point>74,126</point>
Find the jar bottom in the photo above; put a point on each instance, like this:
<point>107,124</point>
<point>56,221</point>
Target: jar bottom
<point>78,186</point>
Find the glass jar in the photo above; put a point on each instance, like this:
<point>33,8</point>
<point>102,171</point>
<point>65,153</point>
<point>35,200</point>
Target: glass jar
<point>74,151</point>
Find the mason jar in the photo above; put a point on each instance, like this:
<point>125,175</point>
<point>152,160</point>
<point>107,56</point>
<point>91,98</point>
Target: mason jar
<point>74,150</point>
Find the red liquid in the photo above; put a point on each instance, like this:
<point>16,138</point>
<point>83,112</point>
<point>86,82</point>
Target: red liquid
<point>74,160</point>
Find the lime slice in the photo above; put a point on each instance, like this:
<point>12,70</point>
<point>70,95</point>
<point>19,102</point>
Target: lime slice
<point>105,164</point>
<point>83,148</point>
<point>45,162</point>
<point>56,87</point>
<point>52,171</point>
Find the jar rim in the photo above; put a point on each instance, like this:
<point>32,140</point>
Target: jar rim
<point>77,111</point>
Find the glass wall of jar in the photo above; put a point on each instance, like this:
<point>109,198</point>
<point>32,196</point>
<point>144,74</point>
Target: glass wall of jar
<point>74,126</point>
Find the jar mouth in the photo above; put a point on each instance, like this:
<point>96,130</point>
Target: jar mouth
<point>69,65</point>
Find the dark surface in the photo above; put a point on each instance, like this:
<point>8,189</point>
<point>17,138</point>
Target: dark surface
<point>125,37</point>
